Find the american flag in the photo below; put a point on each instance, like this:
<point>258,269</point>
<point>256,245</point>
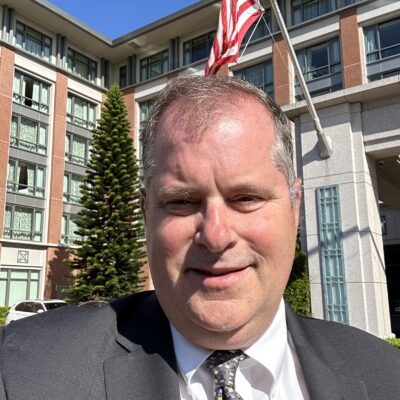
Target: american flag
<point>235,19</point>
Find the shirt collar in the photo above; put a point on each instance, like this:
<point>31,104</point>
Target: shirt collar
<point>269,351</point>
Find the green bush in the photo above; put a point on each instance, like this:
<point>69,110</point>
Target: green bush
<point>3,314</point>
<point>297,292</point>
<point>394,341</point>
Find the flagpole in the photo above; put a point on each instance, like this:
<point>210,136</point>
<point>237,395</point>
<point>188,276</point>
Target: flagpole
<point>324,142</point>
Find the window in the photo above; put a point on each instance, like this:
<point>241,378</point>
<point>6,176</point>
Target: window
<point>17,285</point>
<point>25,178</point>
<point>383,40</point>
<point>77,149</point>
<point>68,229</point>
<point>81,112</point>
<point>123,76</point>
<point>262,28</point>
<point>23,223</point>
<point>198,48</point>
<point>260,75</point>
<point>31,92</point>
<point>33,41</point>
<point>72,186</point>
<point>154,65</point>
<point>82,66</point>
<point>304,10</point>
<point>144,109</point>
<point>319,62</point>
<point>28,135</point>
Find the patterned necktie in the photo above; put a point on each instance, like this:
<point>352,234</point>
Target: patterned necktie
<point>223,365</point>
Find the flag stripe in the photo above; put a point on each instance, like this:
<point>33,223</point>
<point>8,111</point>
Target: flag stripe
<point>235,19</point>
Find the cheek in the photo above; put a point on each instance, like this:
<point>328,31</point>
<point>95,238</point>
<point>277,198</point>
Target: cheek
<point>170,237</point>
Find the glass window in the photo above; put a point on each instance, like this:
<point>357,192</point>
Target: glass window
<point>77,149</point>
<point>198,48</point>
<point>262,27</point>
<point>33,41</point>
<point>31,92</point>
<point>320,60</point>
<point>71,188</point>
<point>18,285</point>
<point>23,223</point>
<point>260,75</point>
<point>382,40</point>
<point>28,135</point>
<point>123,76</point>
<point>155,65</point>
<point>68,229</point>
<point>144,109</point>
<point>25,178</point>
<point>81,112</point>
<point>81,65</point>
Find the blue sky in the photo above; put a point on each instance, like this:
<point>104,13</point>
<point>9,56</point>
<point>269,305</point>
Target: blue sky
<point>114,18</point>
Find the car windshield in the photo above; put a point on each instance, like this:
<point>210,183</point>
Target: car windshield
<point>52,306</point>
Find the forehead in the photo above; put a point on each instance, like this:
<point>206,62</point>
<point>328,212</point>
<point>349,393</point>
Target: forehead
<point>188,119</point>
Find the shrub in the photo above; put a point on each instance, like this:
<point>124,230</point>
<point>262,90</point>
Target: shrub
<point>394,341</point>
<point>297,292</point>
<point>3,314</point>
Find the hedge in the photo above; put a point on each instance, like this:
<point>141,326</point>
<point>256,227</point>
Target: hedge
<point>3,315</point>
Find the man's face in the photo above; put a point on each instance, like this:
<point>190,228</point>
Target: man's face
<point>220,227</point>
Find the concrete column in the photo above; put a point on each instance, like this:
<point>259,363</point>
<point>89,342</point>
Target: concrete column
<point>6,85</point>
<point>351,48</point>
<point>354,173</point>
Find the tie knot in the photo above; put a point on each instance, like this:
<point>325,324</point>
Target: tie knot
<point>220,357</point>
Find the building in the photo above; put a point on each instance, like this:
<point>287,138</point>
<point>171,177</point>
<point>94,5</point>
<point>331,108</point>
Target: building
<point>54,73</point>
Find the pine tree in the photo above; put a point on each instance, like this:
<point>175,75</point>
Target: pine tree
<point>110,253</point>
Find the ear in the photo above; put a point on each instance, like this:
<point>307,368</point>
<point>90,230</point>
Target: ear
<point>143,195</point>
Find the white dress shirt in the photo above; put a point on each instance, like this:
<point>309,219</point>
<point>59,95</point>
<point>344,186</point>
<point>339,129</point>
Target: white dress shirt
<point>272,371</point>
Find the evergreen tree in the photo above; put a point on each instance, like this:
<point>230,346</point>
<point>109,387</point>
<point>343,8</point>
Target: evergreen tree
<point>111,253</point>
<point>297,292</point>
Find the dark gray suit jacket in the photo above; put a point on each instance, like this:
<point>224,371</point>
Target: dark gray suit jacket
<point>124,351</point>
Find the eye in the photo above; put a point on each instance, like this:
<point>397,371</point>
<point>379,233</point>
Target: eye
<point>180,206</point>
<point>246,203</point>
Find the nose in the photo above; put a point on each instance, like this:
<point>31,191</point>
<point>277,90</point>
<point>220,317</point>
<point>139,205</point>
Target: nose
<point>215,230</point>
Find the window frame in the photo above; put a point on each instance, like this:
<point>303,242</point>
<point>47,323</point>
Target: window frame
<point>16,141</point>
<point>22,99</point>
<point>73,57</point>
<point>69,156</point>
<point>68,238</point>
<point>188,47</point>
<point>377,38</point>
<point>241,74</point>
<point>71,118</point>
<point>148,63</point>
<point>35,190</point>
<point>26,30</point>
<point>33,233</point>
<point>68,197</point>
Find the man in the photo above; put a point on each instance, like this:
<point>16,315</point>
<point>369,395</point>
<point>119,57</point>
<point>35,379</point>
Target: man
<point>221,205</point>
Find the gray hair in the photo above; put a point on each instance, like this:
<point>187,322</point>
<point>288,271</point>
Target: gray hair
<point>205,95</point>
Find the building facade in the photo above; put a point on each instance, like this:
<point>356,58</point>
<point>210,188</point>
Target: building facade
<point>54,74</point>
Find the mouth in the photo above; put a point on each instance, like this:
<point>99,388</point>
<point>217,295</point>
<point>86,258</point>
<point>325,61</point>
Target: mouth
<point>221,277</point>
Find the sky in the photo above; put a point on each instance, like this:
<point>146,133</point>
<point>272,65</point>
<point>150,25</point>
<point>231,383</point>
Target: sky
<point>114,18</point>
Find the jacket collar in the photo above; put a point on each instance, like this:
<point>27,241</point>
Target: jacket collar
<point>146,369</point>
<point>327,375</point>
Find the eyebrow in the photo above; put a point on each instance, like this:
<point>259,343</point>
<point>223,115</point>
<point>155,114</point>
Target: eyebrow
<point>184,193</point>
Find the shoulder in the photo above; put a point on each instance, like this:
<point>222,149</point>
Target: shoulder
<point>67,327</point>
<point>354,347</point>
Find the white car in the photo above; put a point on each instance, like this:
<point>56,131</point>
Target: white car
<point>27,308</point>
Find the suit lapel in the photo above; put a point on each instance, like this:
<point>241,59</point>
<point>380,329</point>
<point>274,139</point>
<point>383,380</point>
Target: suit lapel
<point>323,368</point>
<point>146,367</point>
